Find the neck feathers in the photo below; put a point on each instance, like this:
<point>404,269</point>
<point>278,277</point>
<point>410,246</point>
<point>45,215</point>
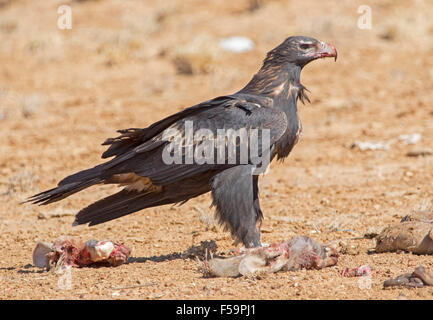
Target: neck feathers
<point>277,81</point>
<point>273,79</point>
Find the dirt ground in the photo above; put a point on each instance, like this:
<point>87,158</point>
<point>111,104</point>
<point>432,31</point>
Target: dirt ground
<point>126,63</point>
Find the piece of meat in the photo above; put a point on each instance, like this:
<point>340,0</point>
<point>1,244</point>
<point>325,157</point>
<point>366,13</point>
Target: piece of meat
<point>357,272</point>
<point>419,278</point>
<point>69,252</point>
<point>294,254</point>
<point>414,233</point>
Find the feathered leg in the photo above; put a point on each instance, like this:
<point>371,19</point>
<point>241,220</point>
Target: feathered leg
<point>235,196</point>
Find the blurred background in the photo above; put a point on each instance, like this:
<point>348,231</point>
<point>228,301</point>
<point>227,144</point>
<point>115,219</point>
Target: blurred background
<point>65,88</point>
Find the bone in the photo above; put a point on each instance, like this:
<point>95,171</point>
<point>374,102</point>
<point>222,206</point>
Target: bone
<point>40,252</point>
<point>99,251</point>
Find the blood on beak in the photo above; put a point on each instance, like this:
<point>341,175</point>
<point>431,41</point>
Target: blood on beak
<point>327,50</point>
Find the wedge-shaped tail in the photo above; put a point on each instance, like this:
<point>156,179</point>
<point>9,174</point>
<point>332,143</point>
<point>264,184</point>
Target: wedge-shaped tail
<point>118,205</point>
<point>61,191</point>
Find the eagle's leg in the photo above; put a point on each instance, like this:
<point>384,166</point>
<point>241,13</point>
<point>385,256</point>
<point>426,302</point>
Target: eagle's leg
<point>235,196</point>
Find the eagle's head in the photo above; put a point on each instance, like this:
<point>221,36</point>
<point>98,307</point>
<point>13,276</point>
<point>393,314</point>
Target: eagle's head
<point>300,50</point>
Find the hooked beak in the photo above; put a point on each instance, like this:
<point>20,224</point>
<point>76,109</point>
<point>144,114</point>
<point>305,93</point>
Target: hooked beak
<point>326,50</point>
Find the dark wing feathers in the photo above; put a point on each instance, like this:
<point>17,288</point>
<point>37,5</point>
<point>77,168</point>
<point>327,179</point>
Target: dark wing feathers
<point>230,113</point>
<point>130,138</point>
<point>139,151</point>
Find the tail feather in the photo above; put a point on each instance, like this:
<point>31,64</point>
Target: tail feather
<point>61,192</point>
<point>78,181</point>
<point>83,175</point>
<point>99,171</point>
<point>118,205</point>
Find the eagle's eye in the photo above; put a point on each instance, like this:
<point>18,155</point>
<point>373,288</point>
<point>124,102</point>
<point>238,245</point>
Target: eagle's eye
<point>305,46</point>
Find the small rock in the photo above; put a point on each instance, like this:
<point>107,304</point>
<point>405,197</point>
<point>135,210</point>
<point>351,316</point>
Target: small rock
<point>348,249</point>
<point>371,146</point>
<point>237,44</point>
<point>401,296</point>
<point>419,153</point>
<point>325,202</point>
<point>410,138</point>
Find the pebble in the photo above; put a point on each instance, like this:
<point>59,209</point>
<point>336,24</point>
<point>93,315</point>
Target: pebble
<point>237,44</point>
